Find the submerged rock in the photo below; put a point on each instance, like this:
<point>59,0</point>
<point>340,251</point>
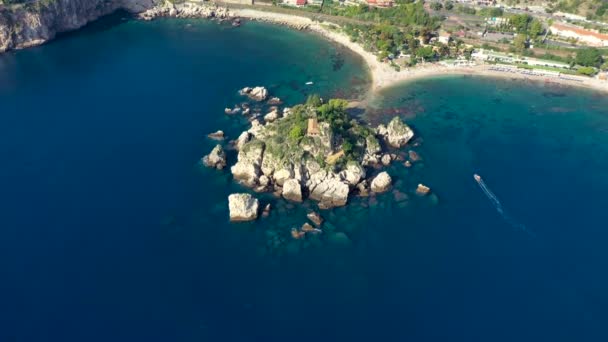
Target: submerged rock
<point>414,157</point>
<point>215,159</point>
<point>381,182</point>
<point>243,207</point>
<point>339,239</point>
<point>315,218</point>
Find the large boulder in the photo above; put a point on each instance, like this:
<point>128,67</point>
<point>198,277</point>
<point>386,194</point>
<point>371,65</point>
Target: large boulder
<point>247,168</point>
<point>292,190</point>
<point>256,94</point>
<point>281,176</point>
<point>272,115</point>
<point>328,188</point>
<point>215,159</point>
<point>219,135</point>
<point>353,173</point>
<point>381,182</point>
<point>398,133</point>
<point>243,207</point>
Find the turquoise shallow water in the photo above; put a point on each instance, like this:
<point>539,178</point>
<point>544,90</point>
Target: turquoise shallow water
<point>111,231</point>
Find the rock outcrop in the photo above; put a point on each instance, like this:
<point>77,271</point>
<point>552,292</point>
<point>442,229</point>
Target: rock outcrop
<point>381,183</point>
<point>247,168</point>
<point>397,133</point>
<point>35,22</point>
<point>185,10</point>
<point>257,93</point>
<point>219,135</point>
<point>292,190</point>
<point>423,190</point>
<point>215,159</point>
<point>306,155</point>
<point>243,207</point>
<point>328,189</point>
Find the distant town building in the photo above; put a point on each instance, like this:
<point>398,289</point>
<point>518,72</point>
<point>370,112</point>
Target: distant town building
<point>588,37</point>
<point>491,56</point>
<point>497,36</point>
<point>380,3</point>
<point>444,37</point>
<point>295,2</point>
<point>497,21</point>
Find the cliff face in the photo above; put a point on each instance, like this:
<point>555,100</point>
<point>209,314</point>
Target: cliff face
<point>36,22</point>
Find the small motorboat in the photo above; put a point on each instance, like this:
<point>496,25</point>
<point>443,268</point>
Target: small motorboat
<point>309,83</point>
<point>477,178</point>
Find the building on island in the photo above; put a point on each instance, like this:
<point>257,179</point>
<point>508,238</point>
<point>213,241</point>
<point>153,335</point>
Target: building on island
<point>588,37</point>
<point>313,128</point>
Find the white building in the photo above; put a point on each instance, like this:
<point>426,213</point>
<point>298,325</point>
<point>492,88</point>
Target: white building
<point>588,37</point>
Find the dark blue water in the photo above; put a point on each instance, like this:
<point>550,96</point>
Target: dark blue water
<point>111,230</point>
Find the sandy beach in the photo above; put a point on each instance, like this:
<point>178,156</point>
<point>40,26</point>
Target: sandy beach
<point>384,76</point>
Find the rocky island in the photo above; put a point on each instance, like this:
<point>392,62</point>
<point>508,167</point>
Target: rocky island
<point>314,150</point>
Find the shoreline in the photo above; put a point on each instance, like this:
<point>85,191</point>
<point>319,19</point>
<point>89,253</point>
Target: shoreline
<point>384,76</point>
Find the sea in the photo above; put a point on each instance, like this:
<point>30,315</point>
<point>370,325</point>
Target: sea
<point>111,230</point>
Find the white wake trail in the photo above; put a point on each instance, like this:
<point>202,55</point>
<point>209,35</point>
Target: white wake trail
<point>492,197</point>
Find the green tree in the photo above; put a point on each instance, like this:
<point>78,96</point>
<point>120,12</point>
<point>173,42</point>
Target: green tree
<point>449,5</point>
<point>314,101</point>
<point>604,66</point>
<point>536,28</point>
<point>520,42</point>
<point>520,22</point>
<point>588,71</point>
<point>436,6</point>
<point>589,57</point>
<point>296,133</point>
<point>425,53</point>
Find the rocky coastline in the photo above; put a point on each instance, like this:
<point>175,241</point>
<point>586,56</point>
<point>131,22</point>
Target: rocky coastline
<point>310,152</point>
<point>34,23</point>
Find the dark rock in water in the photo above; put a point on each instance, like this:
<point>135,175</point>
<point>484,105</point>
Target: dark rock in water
<point>339,239</point>
<point>266,211</point>
<point>315,218</point>
<point>400,196</point>
<point>414,157</point>
<point>373,201</point>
